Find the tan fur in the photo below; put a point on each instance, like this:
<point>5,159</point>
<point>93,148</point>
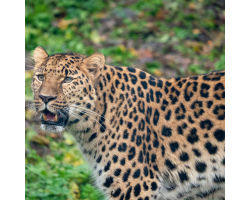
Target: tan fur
<point>40,55</point>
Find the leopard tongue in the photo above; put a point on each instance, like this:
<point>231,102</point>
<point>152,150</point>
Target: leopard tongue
<point>50,117</point>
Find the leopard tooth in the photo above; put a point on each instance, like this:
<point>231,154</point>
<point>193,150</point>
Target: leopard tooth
<point>44,117</point>
<point>56,118</point>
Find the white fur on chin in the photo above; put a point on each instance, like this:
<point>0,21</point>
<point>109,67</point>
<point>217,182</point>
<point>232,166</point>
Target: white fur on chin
<point>52,128</point>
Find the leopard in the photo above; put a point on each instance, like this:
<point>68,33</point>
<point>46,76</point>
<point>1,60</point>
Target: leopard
<point>144,137</point>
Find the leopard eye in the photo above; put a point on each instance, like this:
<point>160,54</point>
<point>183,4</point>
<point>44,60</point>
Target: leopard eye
<point>40,77</point>
<point>67,80</point>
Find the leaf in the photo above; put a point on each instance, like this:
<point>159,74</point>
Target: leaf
<point>157,72</point>
<point>133,51</point>
<point>54,189</point>
<point>196,31</point>
<point>29,74</point>
<point>164,38</point>
<point>74,191</point>
<point>68,158</point>
<point>122,48</point>
<point>77,163</point>
<point>100,15</point>
<point>192,6</point>
<point>160,14</point>
<point>196,46</point>
<point>29,114</point>
<point>68,141</point>
<point>63,24</point>
<point>95,37</point>
<point>40,139</point>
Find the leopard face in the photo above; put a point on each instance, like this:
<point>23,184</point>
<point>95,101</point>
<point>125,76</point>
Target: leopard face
<point>60,84</point>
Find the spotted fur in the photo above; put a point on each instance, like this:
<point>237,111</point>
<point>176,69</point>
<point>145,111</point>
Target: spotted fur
<point>144,137</point>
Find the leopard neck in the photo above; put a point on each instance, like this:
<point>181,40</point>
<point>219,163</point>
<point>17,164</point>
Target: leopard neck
<point>116,89</point>
<point>89,136</point>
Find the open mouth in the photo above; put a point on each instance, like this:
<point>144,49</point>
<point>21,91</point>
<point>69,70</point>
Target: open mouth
<point>58,119</point>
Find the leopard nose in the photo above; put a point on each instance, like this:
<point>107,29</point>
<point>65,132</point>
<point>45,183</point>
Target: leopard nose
<point>47,99</point>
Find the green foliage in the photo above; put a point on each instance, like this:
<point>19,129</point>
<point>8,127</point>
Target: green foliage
<point>197,69</point>
<point>90,192</point>
<point>118,54</point>
<point>28,92</point>
<point>182,27</point>
<point>59,175</point>
<point>151,67</point>
<point>220,64</point>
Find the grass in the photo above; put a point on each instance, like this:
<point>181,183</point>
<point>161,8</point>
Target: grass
<point>60,173</point>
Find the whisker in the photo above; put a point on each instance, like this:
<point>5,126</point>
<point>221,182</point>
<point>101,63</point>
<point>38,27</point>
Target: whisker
<point>31,60</point>
<point>88,114</point>
<point>88,111</point>
<point>85,111</point>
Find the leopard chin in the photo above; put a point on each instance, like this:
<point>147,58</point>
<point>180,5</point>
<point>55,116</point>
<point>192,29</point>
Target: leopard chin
<point>52,128</point>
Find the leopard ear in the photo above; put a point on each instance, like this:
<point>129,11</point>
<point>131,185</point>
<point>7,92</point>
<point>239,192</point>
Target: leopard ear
<point>40,54</point>
<point>94,64</point>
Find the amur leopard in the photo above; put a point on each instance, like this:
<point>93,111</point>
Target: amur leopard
<point>144,137</point>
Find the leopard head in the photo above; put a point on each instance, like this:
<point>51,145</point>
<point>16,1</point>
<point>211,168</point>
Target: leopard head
<point>63,87</point>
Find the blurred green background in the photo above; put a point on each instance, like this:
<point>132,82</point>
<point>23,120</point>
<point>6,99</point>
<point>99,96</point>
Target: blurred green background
<point>166,38</point>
